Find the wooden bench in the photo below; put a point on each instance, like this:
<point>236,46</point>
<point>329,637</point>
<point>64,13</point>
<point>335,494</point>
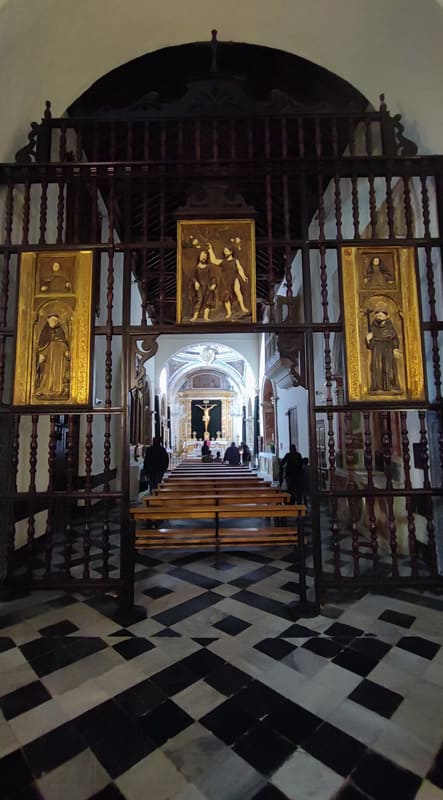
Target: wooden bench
<point>218,536</point>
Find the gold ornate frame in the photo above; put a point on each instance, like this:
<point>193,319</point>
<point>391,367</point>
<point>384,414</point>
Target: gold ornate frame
<point>53,350</point>
<point>380,290</point>
<point>222,290</point>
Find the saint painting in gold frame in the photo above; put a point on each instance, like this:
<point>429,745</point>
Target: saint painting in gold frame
<point>52,360</point>
<point>216,271</point>
<point>384,357</point>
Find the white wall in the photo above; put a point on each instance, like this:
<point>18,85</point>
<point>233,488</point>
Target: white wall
<point>54,49</point>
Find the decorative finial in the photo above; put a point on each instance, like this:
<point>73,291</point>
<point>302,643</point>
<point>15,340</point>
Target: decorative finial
<point>47,113</point>
<point>383,106</point>
<point>214,43</point>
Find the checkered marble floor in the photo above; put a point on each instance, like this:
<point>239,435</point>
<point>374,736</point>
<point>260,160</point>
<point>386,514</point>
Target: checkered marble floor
<point>215,688</point>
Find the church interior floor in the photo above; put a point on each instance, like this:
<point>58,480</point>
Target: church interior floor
<point>215,689</point>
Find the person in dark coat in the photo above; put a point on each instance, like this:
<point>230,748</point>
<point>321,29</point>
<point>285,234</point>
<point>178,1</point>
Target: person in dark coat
<point>155,463</point>
<point>232,455</point>
<point>246,454</point>
<point>291,467</point>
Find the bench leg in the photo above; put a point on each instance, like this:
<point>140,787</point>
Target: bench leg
<point>304,608</point>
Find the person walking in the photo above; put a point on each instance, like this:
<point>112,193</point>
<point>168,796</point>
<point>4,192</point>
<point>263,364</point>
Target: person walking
<point>155,464</point>
<point>232,455</point>
<point>246,454</point>
<point>291,467</point>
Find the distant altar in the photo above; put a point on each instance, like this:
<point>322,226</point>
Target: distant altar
<point>192,447</point>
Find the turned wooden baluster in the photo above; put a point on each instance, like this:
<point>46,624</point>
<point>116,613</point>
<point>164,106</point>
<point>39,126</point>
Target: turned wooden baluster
<point>355,206</point>
<point>69,485</point>
<point>286,212</point>
<point>88,487</point>
<point>407,207</point>
<point>4,293</point>
<point>338,207</point>
<point>412,541</point>
<point>106,488</point>
<point>31,489</point>
<point>14,467</point>
<point>389,206</point>
<point>387,459</point>
<point>369,465</point>
<point>52,448</point>
<point>335,528</point>
<point>372,206</point>
<point>43,211</point>
<point>351,485</point>
<point>430,527</point>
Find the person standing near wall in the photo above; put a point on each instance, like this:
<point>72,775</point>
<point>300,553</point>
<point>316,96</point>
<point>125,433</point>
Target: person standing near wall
<point>155,463</point>
<point>291,467</point>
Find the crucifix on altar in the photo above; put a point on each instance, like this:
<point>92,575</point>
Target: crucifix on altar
<point>206,416</point>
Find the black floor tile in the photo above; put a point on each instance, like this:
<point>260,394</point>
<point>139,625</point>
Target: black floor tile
<point>228,721</point>
<point>40,647</point>
<point>167,633</point>
<point>121,748</point>
<point>122,632</point>
<point>376,698</point>
<point>232,625</point>
<point>186,610</point>
<point>297,631</point>
<point>294,722</point>
<point>435,774</point>
<point>356,662</point>
<point>52,662</point>
<point>80,647</point>
<point>254,577</point>
<point>110,792</point>
<point>419,646</point>
<point>264,748</point>
<point>339,631</point>
<point>258,700</point>
<point>350,792</point>
<point>164,722</point>
<point>370,646</point>
<point>228,680</point>
<point>394,617</point>
<point>133,647</point>
<point>383,780</point>
<point>96,723</point>
<point>30,696</point>
<point>204,641</point>
<point>30,792</point>
<point>157,591</point>
<point>63,628</point>
<point>269,792</point>
<point>139,699</point>
<point>291,586</point>
<point>54,748</point>
<point>15,774</point>
<point>6,644</point>
<point>323,647</point>
<point>174,678</point>
<point>282,610</point>
<point>336,749</point>
<point>276,648</point>
<point>195,578</point>
<point>202,663</point>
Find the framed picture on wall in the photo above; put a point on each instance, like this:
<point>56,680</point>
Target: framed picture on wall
<point>53,351</point>
<point>382,324</point>
<point>216,271</point>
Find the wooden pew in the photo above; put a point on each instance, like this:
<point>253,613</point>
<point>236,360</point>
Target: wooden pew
<point>218,536</point>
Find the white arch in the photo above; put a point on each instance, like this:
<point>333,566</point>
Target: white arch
<point>56,49</point>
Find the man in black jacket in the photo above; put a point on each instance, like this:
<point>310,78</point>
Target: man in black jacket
<point>155,463</point>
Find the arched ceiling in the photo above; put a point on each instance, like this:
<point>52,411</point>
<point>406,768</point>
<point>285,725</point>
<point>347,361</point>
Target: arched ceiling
<point>56,50</point>
<point>207,358</point>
